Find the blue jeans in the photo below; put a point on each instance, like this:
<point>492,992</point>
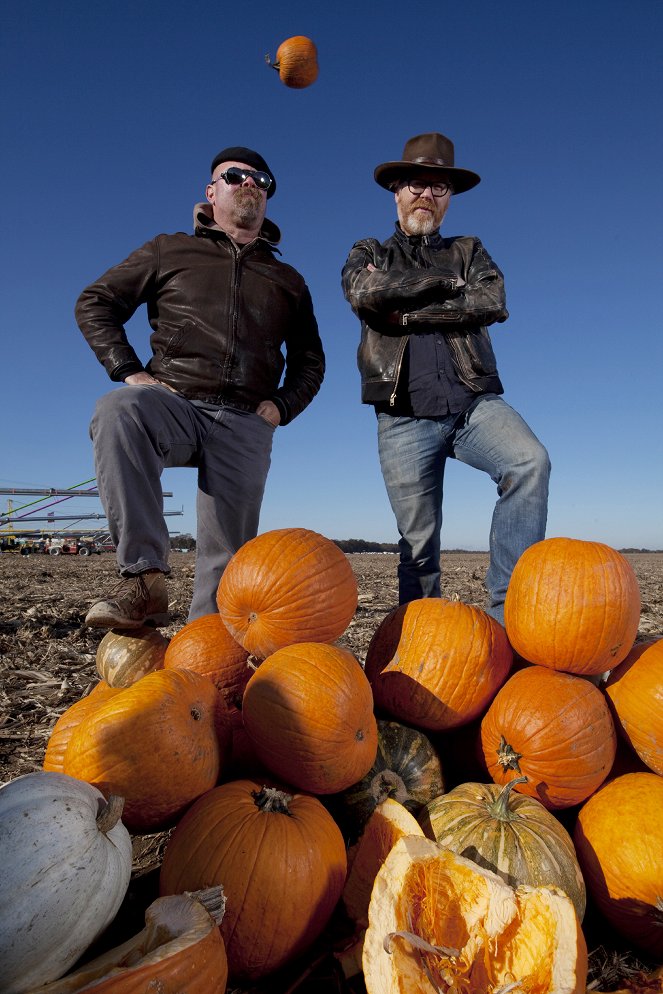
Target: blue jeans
<point>492,437</point>
<point>139,430</point>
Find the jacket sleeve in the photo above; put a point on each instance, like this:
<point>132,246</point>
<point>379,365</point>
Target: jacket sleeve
<point>106,305</point>
<point>482,301</point>
<point>305,363</point>
<point>432,295</point>
<point>386,288</point>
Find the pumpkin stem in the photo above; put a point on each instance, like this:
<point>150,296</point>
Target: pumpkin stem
<point>272,799</point>
<point>274,65</point>
<point>213,901</point>
<point>110,813</point>
<point>507,756</point>
<point>500,807</point>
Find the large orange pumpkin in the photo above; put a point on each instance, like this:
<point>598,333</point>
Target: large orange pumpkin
<point>280,859</point>
<point>436,664</point>
<point>285,586</point>
<point>619,840</point>
<point>206,646</point>
<point>160,744</point>
<point>180,951</point>
<point>635,689</point>
<point>296,62</point>
<point>308,711</point>
<point>572,605</point>
<point>69,720</point>
<point>553,728</point>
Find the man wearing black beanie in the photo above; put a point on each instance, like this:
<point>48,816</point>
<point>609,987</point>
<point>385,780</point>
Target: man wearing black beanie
<point>235,353</point>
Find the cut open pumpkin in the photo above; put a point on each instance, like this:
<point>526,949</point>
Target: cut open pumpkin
<point>438,922</point>
<point>389,822</point>
<point>179,950</point>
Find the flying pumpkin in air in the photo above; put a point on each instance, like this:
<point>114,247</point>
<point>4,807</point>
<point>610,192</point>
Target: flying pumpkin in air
<point>296,62</point>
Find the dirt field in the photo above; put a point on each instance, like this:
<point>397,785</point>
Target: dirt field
<point>47,656</point>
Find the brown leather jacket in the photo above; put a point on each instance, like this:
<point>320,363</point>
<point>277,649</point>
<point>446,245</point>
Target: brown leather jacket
<point>219,316</point>
<point>423,283</point>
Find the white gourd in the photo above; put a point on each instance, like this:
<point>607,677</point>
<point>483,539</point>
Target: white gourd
<point>66,868</point>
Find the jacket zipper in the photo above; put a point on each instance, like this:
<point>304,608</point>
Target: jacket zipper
<point>404,341</point>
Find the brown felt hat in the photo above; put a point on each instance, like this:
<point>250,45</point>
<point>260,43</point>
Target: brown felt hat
<point>431,155</point>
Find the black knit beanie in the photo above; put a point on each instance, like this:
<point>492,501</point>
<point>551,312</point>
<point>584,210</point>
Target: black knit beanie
<point>237,153</point>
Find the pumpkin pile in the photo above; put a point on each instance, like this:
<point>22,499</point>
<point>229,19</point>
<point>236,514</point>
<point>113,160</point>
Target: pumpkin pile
<point>330,799</point>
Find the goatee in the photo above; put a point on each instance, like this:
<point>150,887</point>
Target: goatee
<point>246,206</point>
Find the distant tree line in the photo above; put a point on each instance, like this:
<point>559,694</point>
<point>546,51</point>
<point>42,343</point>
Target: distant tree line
<point>362,545</point>
<point>187,542</point>
<point>183,542</point>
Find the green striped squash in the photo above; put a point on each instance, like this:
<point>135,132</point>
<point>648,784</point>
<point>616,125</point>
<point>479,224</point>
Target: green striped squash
<point>509,833</point>
<point>407,768</point>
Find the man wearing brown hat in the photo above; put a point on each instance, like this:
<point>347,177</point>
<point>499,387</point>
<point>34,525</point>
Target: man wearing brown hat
<point>223,309</point>
<point>428,368</point>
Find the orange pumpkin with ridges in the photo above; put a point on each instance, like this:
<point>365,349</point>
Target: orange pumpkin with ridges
<point>206,646</point>
<point>69,720</point>
<point>281,861</point>
<point>285,586</point>
<point>308,711</point>
<point>296,62</point>
<point>635,690</point>
<point>437,664</point>
<point>553,728</point>
<point>160,744</point>
<point>572,605</point>
<point>619,840</point>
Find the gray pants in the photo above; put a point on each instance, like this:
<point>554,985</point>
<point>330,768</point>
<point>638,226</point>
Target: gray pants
<point>139,430</point>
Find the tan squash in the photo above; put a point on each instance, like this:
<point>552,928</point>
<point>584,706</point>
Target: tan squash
<point>124,657</point>
<point>509,833</point>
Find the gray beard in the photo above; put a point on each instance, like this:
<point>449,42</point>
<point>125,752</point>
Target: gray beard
<point>421,225</point>
<point>246,208</point>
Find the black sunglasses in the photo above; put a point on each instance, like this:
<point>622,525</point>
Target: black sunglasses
<point>234,176</point>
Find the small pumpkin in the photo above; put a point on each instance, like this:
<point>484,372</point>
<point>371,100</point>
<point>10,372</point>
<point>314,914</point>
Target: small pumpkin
<point>553,728</point>
<point>635,691</point>
<point>205,646</point>
<point>124,657</point>
<point>66,870</point>
<point>436,664</point>
<point>281,859</point>
<point>438,921</point>
<point>572,605</point>
<point>619,840</point>
<point>160,744</point>
<point>286,586</point>
<point>511,834</point>
<point>180,949</point>
<point>68,721</point>
<point>308,711</point>
<point>407,768</point>
<point>296,62</point>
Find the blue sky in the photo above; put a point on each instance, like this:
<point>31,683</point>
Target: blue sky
<point>112,112</point>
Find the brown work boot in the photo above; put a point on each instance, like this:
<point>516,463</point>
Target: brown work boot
<point>134,601</point>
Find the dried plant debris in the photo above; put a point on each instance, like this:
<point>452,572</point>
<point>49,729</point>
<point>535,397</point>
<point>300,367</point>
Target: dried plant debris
<point>47,662</point>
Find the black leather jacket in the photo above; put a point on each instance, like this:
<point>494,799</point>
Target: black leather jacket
<point>219,316</point>
<point>423,282</point>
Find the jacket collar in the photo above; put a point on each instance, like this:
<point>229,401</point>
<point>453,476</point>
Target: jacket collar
<point>434,240</point>
<point>204,224</point>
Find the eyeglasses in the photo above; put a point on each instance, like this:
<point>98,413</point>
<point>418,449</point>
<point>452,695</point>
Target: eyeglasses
<point>417,186</point>
<point>234,176</point>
